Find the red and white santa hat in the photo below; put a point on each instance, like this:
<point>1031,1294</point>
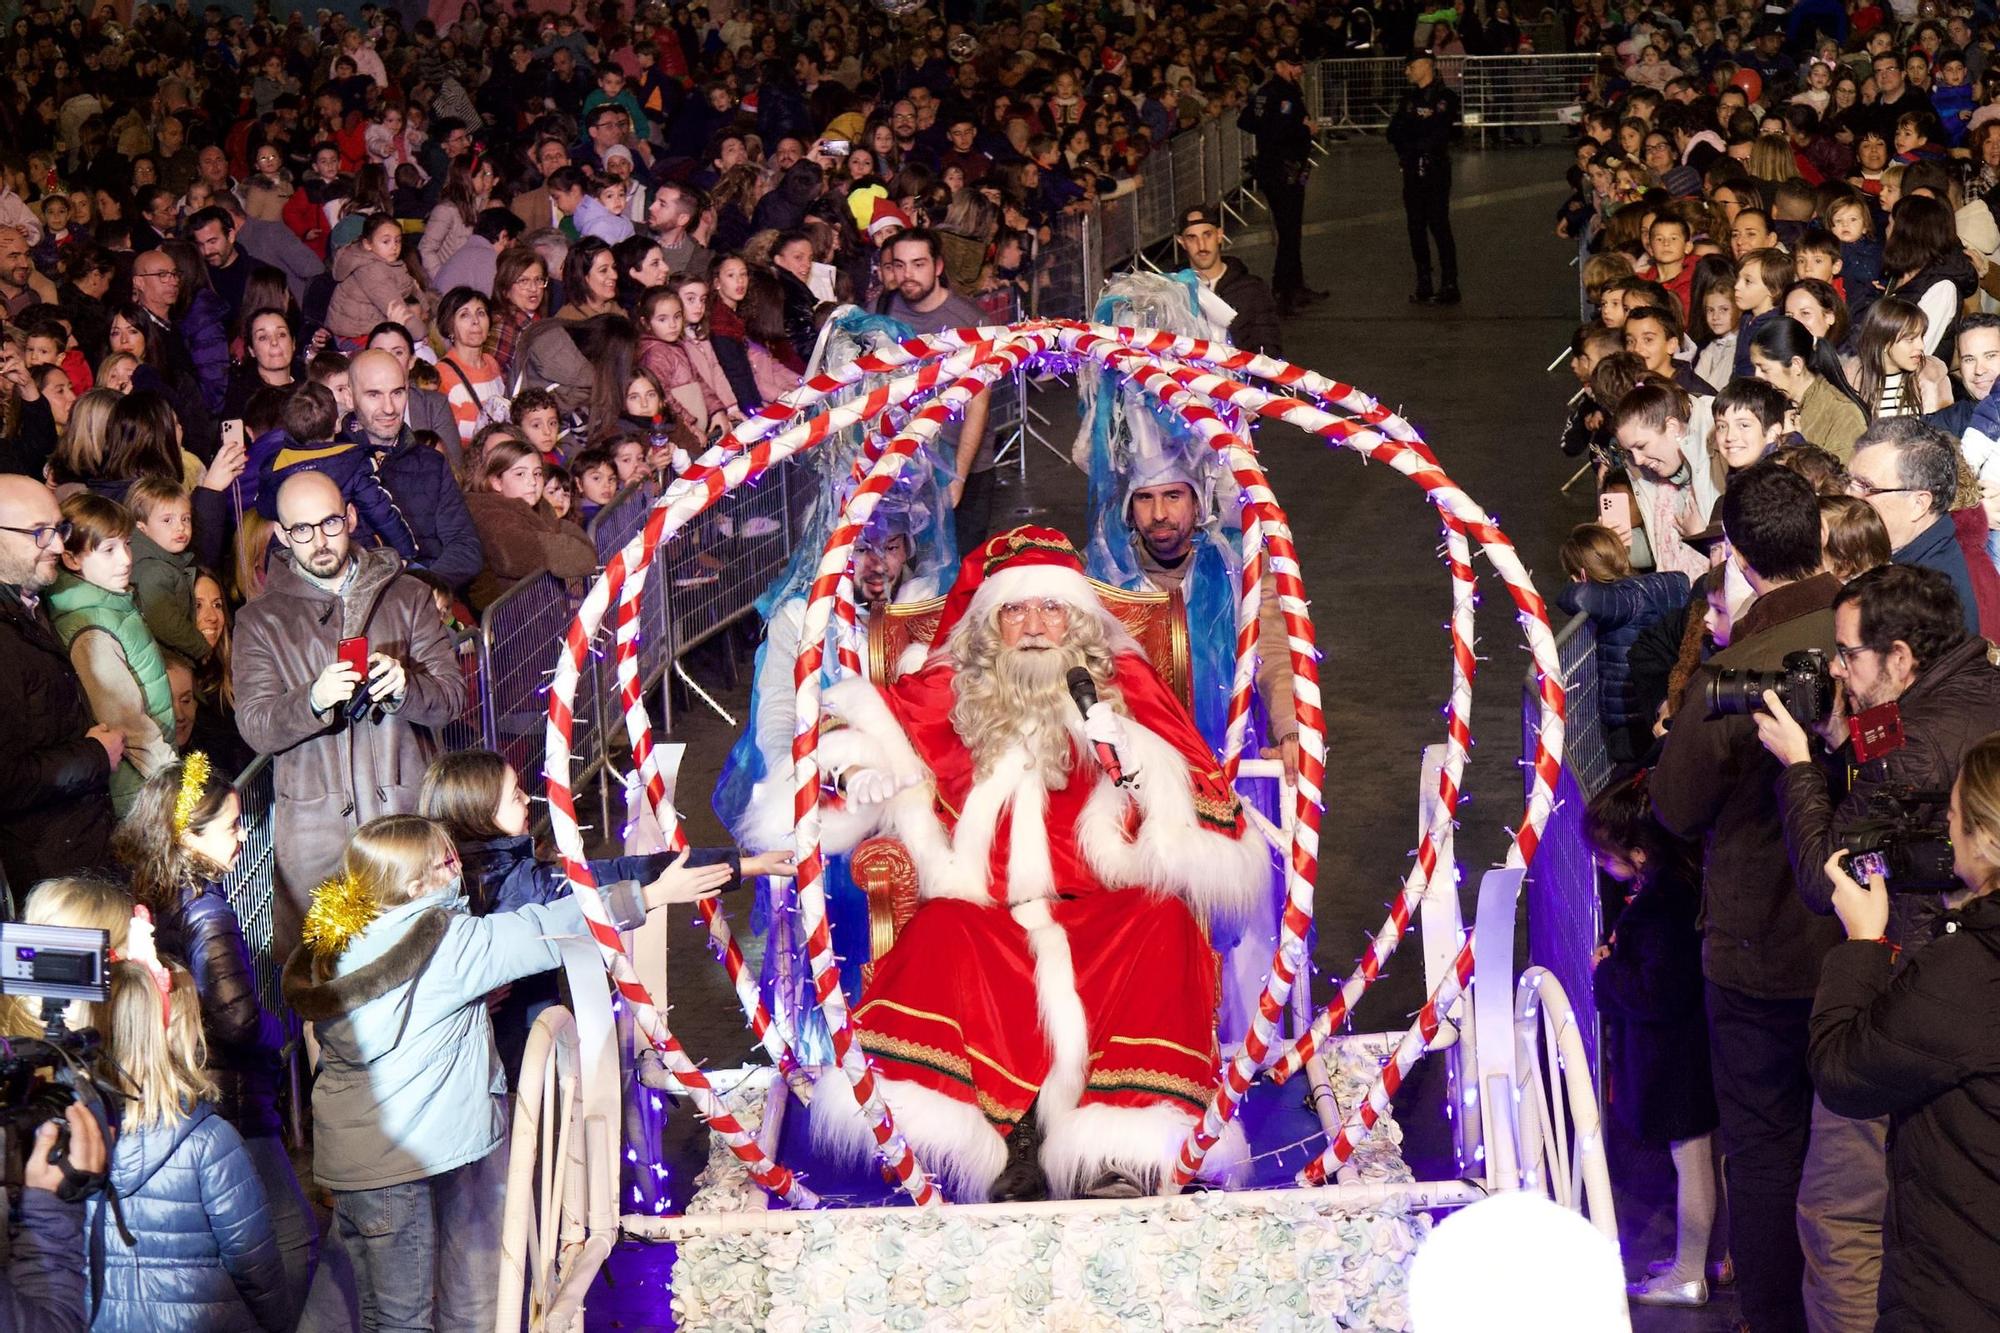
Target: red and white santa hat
<point>886,221</point>
<point>1027,563</point>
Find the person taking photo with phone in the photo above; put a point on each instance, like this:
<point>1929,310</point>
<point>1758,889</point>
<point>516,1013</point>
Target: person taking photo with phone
<point>348,744</point>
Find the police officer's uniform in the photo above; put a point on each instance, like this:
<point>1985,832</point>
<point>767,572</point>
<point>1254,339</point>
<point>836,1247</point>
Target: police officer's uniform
<point>1420,132</point>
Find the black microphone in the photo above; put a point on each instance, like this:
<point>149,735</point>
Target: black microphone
<point>1084,690</point>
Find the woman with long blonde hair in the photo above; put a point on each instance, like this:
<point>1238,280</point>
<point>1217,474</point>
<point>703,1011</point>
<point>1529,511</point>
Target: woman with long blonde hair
<point>193,1249</point>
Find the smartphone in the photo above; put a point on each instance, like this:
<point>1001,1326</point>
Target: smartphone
<point>232,432</point>
<point>834,147</point>
<point>354,652</point>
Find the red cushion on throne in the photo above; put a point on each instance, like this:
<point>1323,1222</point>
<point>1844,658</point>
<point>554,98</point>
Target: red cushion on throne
<point>1157,621</point>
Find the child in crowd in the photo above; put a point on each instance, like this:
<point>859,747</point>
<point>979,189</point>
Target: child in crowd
<point>1587,432</point>
<point>113,652</point>
<point>1752,419</point>
<point>310,422</point>
<point>695,402</point>
<point>595,474</point>
<point>559,493</point>
<point>1892,375</point>
<point>1816,256</point>
<point>409,1109</point>
<point>601,213</point>
<point>192,1206</point>
<point>1621,605</point>
<point>1648,982</point>
<point>1761,278</point>
<point>372,285</point>
<point>1860,254</point>
<point>56,233</point>
<point>1853,536</point>
<point>693,292</point>
<point>180,840</point>
<point>540,420</point>
<point>478,798</point>
<point>163,569</point>
<point>1672,481</point>
<point>50,343</point>
<point>628,456</point>
<point>330,369</point>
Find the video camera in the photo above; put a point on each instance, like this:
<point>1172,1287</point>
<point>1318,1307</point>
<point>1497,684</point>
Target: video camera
<point>1803,683</point>
<point>1905,839</point>
<point>40,1077</point>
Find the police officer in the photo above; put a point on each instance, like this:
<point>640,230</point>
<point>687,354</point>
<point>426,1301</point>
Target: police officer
<point>1420,132</point>
<point>1277,116</point>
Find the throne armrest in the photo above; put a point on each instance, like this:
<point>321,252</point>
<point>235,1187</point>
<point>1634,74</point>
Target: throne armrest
<point>883,870</point>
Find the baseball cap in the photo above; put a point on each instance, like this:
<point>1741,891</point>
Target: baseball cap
<point>1201,215</point>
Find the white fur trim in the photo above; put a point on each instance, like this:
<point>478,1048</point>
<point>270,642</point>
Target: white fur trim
<point>951,1139</point>
<point>1060,1007</point>
<point>1016,582</point>
<point>1141,1141</point>
<point>912,658</point>
<point>1221,877</point>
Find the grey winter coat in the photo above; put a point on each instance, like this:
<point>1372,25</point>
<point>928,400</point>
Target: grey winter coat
<point>334,776</point>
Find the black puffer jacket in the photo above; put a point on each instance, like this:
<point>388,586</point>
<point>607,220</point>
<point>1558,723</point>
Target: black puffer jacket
<point>1920,1044</point>
<point>55,782</point>
<point>244,1038</point>
<point>1947,710</point>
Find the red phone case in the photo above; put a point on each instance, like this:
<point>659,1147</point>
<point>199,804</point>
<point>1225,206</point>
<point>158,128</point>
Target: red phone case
<point>354,652</point>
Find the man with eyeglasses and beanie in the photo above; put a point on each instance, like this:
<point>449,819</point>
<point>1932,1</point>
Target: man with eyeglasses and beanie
<point>1277,116</point>
<point>347,745</point>
<point>55,761</point>
<point>1420,132</point>
<point>1761,945</point>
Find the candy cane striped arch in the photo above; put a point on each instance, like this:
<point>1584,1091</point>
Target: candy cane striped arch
<point>1213,390</point>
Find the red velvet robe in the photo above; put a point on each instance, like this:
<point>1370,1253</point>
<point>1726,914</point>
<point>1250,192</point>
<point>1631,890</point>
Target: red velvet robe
<point>955,1006</point>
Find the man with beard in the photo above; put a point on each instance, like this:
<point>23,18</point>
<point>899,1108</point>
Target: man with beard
<point>927,305</point>
<point>1035,1030</point>
<point>55,764</point>
<point>339,763</point>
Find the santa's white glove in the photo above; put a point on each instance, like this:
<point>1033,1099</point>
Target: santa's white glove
<point>1102,726</point>
<point>869,786</point>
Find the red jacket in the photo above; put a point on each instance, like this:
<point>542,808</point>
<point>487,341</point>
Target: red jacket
<point>307,221</point>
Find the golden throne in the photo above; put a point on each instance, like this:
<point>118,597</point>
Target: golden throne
<point>882,866</point>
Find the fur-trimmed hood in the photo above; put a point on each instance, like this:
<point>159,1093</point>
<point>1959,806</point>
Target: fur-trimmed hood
<point>316,997</point>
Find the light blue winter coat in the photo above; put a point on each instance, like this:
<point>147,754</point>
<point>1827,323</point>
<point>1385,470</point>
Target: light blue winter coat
<point>409,1084</point>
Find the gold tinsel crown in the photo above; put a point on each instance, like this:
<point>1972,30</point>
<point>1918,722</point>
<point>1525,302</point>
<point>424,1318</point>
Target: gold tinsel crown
<point>341,909</point>
<point>194,784</point>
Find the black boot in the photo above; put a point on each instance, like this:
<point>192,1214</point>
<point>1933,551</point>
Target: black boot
<point>1021,1180</point>
<point>1448,294</point>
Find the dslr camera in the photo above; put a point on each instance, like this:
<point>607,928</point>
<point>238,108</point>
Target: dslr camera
<point>1905,838</point>
<point>1803,683</point>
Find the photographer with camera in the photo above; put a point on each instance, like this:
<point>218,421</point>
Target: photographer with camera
<point>1917,1043</point>
<point>43,1288</point>
<point>1913,693</point>
<point>1761,947</point>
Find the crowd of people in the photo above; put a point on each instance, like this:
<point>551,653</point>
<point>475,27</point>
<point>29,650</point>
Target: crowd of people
<point>320,333</point>
<point>1785,225</point>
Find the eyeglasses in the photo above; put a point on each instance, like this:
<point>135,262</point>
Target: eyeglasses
<point>1862,489</point>
<point>298,534</point>
<point>1846,651</point>
<point>173,273</point>
<point>1051,611</point>
<point>41,532</point>
<point>531,282</point>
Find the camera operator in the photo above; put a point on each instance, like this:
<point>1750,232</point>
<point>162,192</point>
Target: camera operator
<point>1917,1043</point>
<point>43,1291</point>
<point>1901,655</point>
<point>1761,948</point>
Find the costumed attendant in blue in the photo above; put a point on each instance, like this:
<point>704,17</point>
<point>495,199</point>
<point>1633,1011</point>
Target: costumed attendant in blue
<point>1157,522</point>
<point>901,557</point>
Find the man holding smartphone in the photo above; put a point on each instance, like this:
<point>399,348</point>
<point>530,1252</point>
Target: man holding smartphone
<point>348,743</point>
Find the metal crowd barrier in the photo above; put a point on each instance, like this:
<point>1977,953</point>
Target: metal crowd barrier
<point>1497,92</point>
<point>1565,913</point>
<point>250,886</point>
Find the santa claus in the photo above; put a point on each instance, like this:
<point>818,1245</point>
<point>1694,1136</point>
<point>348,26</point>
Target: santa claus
<point>1045,1023</point>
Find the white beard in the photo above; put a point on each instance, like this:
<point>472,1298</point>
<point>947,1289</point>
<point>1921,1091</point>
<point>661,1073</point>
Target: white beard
<point>1024,702</point>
